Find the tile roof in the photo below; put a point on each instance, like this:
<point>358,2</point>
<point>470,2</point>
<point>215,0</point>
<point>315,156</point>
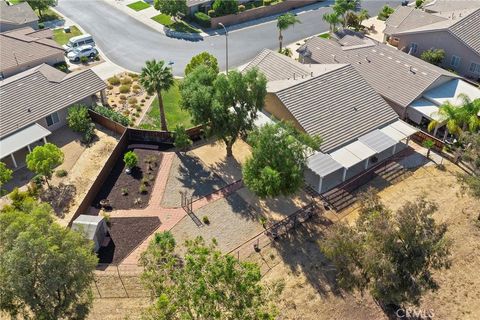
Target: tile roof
<point>23,46</point>
<point>394,74</point>
<point>452,5</point>
<point>191,3</point>
<point>17,14</point>
<point>405,18</point>
<point>33,94</point>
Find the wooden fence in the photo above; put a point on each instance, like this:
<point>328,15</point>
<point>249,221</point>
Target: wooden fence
<point>420,136</point>
<point>106,122</point>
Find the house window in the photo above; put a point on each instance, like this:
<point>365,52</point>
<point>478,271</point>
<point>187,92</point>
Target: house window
<point>475,68</point>
<point>413,47</point>
<point>52,119</point>
<point>455,62</point>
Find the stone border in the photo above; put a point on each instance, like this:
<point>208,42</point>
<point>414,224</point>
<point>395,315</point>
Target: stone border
<point>182,35</point>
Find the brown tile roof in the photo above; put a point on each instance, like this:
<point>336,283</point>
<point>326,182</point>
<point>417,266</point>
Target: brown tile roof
<point>17,14</point>
<point>22,46</point>
<point>394,74</point>
<point>33,94</point>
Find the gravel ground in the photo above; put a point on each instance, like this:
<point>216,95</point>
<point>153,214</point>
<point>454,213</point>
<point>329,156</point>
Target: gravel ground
<point>231,224</point>
<point>188,174</point>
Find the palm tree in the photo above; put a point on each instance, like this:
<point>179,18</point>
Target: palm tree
<point>362,16</point>
<point>341,7</point>
<point>451,116</point>
<point>469,113</point>
<point>155,77</point>
<point>333,19</point>
<point>283,23</point>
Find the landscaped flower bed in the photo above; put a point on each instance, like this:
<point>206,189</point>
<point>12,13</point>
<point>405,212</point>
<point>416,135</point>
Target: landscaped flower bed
<point>131,191</point>
<point>126,95</point>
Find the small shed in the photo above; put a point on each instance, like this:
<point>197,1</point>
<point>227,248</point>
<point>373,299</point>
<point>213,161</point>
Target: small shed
<point>92,227</point>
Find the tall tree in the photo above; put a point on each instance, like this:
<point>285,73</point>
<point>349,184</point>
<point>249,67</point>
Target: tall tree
<point>224,7</point>
<point>43,159</point>
<point>341,7</point>
<point>171,7</point>
<point>204,284</point>
<point>226,104</point>
<point>41,5</point>
<point>385,12</point>
<point>390,255</point>
<point>156,77</point>
<point>5,176</point>
<point>469,111</point>
<point>279,156</point>
<point>46,270</point>
<point>332,19</point>
<point>451,116</point>
<point>203,58</point>
<point>433,56</point>
<point>470,155</point>
<point>284,22</point>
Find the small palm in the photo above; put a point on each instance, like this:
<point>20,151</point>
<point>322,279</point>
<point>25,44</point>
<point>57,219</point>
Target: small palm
<point>283,23</point>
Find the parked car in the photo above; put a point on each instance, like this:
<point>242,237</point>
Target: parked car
<point>83,51</point>
<point>78,41</point>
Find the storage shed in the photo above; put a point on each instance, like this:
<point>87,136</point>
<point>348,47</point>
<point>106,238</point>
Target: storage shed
<point>92,227</point>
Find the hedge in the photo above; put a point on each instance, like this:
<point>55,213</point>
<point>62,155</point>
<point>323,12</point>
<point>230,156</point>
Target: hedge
<point>203,19</point>
<point>112,115</point>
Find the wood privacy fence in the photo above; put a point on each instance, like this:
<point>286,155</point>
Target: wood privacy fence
<point>128,136</point>
<point>420,136</point>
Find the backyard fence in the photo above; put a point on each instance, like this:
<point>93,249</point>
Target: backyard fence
<point>421,136</point>
<point>106,122</point>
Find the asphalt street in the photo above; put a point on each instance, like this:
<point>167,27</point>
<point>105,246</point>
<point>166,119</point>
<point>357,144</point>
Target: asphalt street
<point>129,42</point>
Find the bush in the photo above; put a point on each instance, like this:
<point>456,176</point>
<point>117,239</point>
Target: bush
<point>109,87</point>
<point>61,173</point>
<point>112,115</point>
<point>79,121</point>
<point>203,19</point>
<point>241,8</point>
<point>62,66</point>
<point>138,108</point>
<point>126,80</point>
<point>267,2</point>
<point>114,81</point>
<point>206,220</point>
<point>38,180</point>
<point>123,97</point>
<point>124,192</point>
<point>132,100</point>
<point>142,189</point>
<point>211,13</point>
<point>224,7</point>
<point>182,140</point>
<point>84,60</point>
<point>41,25</point>
<point>133,75</point>
<point>124,88</point>
<point>131,159</point>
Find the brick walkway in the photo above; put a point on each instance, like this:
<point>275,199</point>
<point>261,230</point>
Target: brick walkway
<point>169,217</point>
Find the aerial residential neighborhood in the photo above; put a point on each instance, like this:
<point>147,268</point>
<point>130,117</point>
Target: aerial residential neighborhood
<point>239,159</point>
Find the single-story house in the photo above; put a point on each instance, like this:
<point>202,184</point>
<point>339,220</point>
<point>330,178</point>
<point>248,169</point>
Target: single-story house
<point>17,16</point>
<point>458,33</point>
<point>358,128</point>
<point>35,102</point>
<point>398,77</point>
<point>445,6</point>
<point>92,228</point>
<point>25,48</point>
<point>204,5</point>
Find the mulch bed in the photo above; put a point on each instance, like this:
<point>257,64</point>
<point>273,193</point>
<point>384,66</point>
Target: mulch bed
<point>126,234</point>
<point>118,182</point>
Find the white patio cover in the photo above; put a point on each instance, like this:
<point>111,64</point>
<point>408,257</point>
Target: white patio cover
<point>345,158</point>
<point>322,164</point>
<point>393,133</point>
<point>22,138</point>
<point>399,130</point>
<point>422,107</point>
<point>404,128</point>
<point>360,150</point>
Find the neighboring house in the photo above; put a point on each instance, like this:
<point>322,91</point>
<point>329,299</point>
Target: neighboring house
<point>357,126</point>
<point>442,6</point>
<point>25,48</point>
<point>405,18</point>
<point>459,36</point>
<point>198,5</point>
<point>35,102</point>
<point>17,16</point>
<point>404,81</point>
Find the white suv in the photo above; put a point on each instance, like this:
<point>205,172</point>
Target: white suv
<point>83,51</point>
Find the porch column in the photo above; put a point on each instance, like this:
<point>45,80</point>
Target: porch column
<point>344,174</point>
<point>44,140</point>
<point>13,160</point>
<point>366,164</point>
<point>29,149</point>
<point>435,131</point>
<point>102,97</point>
<point>394,149</point>
<point>320,185</point>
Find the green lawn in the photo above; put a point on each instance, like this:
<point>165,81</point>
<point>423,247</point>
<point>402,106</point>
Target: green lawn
<point>62,38</point>
<point>175,115</point>
<point>324,35</point>
<point>48,15</point>
<point>14,1</point>
<point>180,26</point>
<point>138,6</point>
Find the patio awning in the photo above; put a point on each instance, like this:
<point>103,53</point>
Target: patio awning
<point>398,130</point>
<point>377,140</point>
<point>360,150</point>
<point>322,164</point>
<point>21,139</point>
<point>345,158</point>
<point>404,128</point>
<point>422,108</point>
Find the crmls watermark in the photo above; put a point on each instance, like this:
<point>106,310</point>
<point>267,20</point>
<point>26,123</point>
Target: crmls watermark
<point>414,313</point>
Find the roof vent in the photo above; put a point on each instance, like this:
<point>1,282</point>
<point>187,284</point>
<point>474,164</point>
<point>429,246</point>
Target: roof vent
<point>334,58</point>
<point>29,110</point>
<point>311,74</point>
<point>366,59</point>
<point>294,76</point>
<point>411,70</point>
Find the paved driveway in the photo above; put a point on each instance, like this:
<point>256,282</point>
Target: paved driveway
<point>128,42</point>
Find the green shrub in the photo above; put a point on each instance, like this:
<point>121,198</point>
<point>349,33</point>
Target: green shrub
<point>124,88</point>
<point>203,19</point>
<point>123,97</point>
<point>224,7</point>
<point>267,2</point>
<point>84,60</point>
<point>41,25</point>
<point>206,220</point>
<point>61,173</point>
<point>211,13</point>
<point>241,8</point>
<point>62,66</point>
<point>142,189</point>
<point>138,108</point>
<point>132,100</point>
<point>182,140</point>
<point>131,159</point>
<point>109,87</point>
<point>114,81</point>
<point>124,191</point>
<point>112,115</point>
<point>133,75</point>
<point>126,80</point>
<point>79,121</point>
<point>38,180</point>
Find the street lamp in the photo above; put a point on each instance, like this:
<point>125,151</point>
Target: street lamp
<point>226,44</point>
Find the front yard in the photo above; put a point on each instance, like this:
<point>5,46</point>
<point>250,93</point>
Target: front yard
<point>62,38</point>
<point>179,26</point>
<point>138,6</point>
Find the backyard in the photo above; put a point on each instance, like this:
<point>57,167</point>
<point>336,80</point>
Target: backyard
<point>174,113</point>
